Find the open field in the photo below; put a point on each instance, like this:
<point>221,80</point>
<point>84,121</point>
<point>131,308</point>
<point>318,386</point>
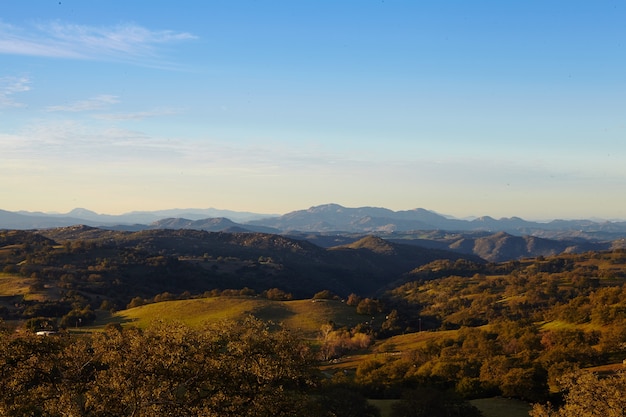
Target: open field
<point>563,325</point>
<point>13,284</point>
<point>304,316</point>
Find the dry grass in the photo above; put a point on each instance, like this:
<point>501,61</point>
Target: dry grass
<point>411,341</point>
<point>192,312</point>
<point>12,285</point>
<point>304,316</point>
<point>563,325</point>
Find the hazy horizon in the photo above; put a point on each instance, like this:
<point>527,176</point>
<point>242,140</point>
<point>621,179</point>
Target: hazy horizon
<point>197,210</point>
<point>480,108</point>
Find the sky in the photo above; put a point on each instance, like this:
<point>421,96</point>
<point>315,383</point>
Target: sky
<point>466,108</point>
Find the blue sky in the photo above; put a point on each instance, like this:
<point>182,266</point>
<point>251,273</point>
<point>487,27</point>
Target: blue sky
<point>465,108</point>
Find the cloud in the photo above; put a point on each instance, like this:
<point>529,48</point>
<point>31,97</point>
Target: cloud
<point>94,103</point>
<point>136,115</point>
<point>127,42</point>
<point>9,86</point>
<point>71,137</point>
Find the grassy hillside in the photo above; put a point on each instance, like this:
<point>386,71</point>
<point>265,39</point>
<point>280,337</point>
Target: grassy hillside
<point>12,285</point>
<point>304,316</point>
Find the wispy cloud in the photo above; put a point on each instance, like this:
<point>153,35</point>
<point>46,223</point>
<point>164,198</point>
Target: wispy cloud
<point>94,103</point>
<point>140,115</point>
<point>71,142</point>
<point>127,42</point>
<point>9,86</point>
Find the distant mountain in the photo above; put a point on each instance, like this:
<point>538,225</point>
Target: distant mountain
<point>11,220</point>
<point>218,224</point>
<point>326,219</point>
<point>336,218</point>
<point>129,221</point>
<point>333,217</point>
<point>501,246</point>
<point>193,214</point>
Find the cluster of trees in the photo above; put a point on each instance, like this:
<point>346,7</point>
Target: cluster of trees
<point>575,289</point>
<point>586,395</point>
<point>226,369</point>
<point>336,342</point>
<point>497,339</point>
<point>510,358</point>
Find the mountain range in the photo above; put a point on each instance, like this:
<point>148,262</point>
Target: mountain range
<point>332,225</point>
<point>324,218</point>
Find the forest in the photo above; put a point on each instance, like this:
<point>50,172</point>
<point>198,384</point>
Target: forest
<point>430,336</point>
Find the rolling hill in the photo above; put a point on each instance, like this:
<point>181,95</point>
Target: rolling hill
<point>96,265</point>
<point>305,317</point>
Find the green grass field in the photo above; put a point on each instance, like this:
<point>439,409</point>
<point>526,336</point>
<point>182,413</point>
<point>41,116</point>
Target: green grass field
<point>12,285</point>
<point>303,316</point>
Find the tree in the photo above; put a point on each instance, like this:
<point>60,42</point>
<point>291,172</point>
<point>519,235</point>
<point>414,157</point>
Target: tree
<point>392,324</point>
<point>353,300</point>
<point>368,306</point>
<point>324,295</point>
<point>277,294</point>
<point>136,302</point>
<point>587,395</point>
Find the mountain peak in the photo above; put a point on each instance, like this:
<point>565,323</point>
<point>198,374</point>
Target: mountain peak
<point>81,212</point>
<point>374,244</point>
<point>325,208</point>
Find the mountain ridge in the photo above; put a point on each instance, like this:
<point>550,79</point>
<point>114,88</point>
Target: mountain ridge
<point>323,218</point>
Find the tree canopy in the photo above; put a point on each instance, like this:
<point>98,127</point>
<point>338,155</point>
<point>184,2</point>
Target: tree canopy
<point>225,369</point>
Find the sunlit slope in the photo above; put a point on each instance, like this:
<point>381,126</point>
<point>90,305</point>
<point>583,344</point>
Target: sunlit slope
<point>15,288</point>
<point>306,316</point>
<point>12,284</point>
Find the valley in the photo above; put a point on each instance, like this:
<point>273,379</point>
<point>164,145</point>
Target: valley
<point>382,317</point>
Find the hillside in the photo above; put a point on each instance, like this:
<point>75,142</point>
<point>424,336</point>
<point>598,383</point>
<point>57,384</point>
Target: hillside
<point>502,246</point>
<point>305,317</point>
<point>216,224</point>
<point>87,265</point>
